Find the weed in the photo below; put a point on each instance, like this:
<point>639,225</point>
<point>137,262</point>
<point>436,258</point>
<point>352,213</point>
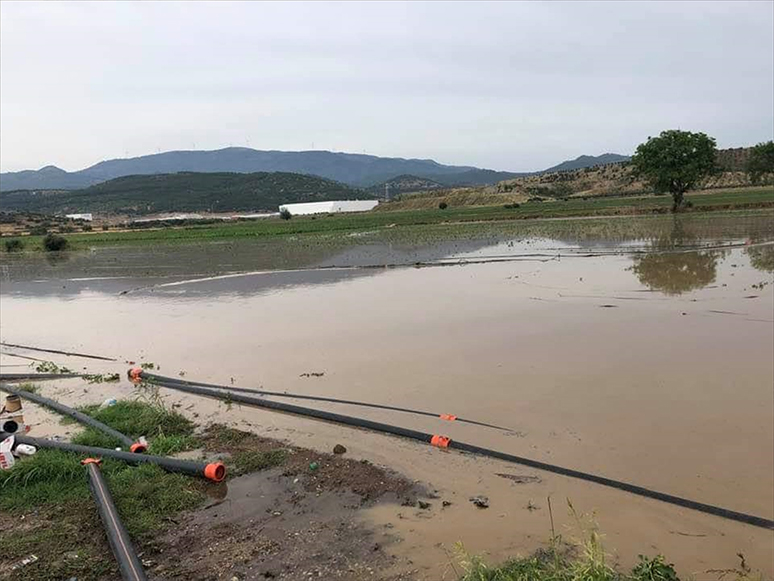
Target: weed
<point>655,569</point>
<point>102,377</point>
<point>51,367</point>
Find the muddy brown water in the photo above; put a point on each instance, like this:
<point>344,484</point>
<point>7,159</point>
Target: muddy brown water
<point>648,361</point>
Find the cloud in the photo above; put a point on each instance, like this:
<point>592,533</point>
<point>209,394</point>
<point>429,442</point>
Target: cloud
<point>516,86</point>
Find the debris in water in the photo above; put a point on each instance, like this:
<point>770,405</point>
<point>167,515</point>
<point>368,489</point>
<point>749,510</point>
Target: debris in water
<point>313,374</point>
<point>339,449</point>
<point>520,478</point>
<point>423,505</point>
<point>480,501</point>
<point>446,503</point>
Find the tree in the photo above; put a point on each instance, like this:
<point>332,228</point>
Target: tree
<point>443,205</point>
<point>285,214</point>
<point>675,162</point>
<point>54,242</point>
<point>761,161</point>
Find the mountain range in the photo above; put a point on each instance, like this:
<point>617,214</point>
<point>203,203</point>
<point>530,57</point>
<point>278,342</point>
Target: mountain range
<point>355,170</point>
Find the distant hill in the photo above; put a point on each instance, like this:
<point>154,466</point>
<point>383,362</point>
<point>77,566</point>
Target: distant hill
<point>184,192</point>
<point>585,161</point>
<point>353,169</point>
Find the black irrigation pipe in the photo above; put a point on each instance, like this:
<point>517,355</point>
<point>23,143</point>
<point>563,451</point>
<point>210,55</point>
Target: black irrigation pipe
<point>214,471</point>
<point>161,380</point>
<point>136,447</point>
<point>70,353</point>
<point>443,442</point>
<point>128,562</point>
<point>36,376</point>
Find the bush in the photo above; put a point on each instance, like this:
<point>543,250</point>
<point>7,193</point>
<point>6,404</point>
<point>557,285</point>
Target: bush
<point>511,206</point>
<point>14,245</point>
<point>105,227</point>
<point>285,214</point>
<point>86,228</point>
<point>54,242</point>
<point>39,230</point>
<point>443,205</point>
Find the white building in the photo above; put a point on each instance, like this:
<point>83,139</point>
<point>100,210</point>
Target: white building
<point>330,207</point>
<point>88,217</point>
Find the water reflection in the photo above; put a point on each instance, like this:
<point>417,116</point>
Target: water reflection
<point>673,271</point>
<point>761,257</point>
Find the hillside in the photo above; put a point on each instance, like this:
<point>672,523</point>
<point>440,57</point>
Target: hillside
<point>614,179</point>
<point>183,192</point>
<point>403,184</point>
<point>585,161</point>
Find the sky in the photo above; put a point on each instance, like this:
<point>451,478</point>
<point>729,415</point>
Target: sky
<point>514,86</point>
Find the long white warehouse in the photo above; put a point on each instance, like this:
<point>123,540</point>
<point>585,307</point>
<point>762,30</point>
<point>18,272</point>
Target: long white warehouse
<point>330,207</point>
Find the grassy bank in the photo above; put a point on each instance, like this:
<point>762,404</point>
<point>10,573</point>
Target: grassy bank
<point>64,531</point>
<point>339,224</point>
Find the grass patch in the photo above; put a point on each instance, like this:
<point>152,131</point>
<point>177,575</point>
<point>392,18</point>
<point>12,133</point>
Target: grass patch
<point>135,419</point>
<point>31,387</point>
<point>253,461</point>
<point>249,452</point>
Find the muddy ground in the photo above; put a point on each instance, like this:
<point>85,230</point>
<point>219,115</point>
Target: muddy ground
<point>297,521</point>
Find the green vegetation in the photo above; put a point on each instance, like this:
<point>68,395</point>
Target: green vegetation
<point>581,559</point>
<point>14,245</point>
<point>675,162</point>
<point>54,243</point>
<point>61,525</point>
<point>419,221</point>
<point>761,161</point>
<point>185,192</point>
<point>135,419</point>
<point>285,214</point>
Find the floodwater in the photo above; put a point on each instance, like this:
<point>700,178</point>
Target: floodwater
<point>648,360</point>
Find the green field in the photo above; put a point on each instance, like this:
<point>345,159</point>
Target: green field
<point>419,220</point>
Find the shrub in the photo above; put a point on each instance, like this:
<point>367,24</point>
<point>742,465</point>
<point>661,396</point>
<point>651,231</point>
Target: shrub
<point>39,230</point>
<point>54,242</point>
<point>511,206</point>
<point>443,205</point>
<point>14,245</point>
<point>86,228</point>
<point>105,227</point>
<point>285,214</point>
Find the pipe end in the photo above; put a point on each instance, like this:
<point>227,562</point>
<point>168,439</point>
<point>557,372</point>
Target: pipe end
<point>216,471</point>
<point>138,448</point>
<point>135,374</point>
<point>96,461</point>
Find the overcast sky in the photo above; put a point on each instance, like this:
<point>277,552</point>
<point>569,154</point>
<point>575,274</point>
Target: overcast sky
<point>512,86</point>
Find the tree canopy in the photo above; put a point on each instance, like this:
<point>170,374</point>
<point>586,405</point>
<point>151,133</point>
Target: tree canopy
<point>761,161</point>
<point>675,162</point>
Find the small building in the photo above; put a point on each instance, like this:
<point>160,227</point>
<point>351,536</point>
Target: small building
<point>87,217</point>
<point>333,207</point>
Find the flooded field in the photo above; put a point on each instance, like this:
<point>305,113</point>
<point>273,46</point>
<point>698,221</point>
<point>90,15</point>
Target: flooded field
<point>643,355</point>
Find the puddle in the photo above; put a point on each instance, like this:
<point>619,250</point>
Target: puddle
<point>671,390</point>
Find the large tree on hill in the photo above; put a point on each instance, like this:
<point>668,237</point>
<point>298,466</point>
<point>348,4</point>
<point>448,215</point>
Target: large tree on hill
<point>675,162</point>
<point>761,161</point>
